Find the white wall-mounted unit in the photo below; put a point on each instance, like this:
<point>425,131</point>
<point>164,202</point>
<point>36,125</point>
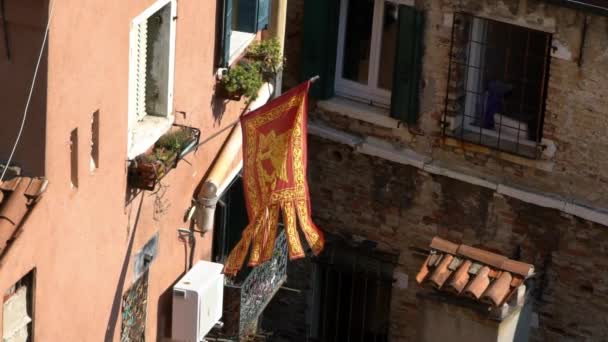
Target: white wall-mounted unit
<point>197,302</point>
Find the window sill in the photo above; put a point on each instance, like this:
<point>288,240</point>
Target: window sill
<point>239,41</point>
<point>374,115</point>
<point>146,132</point>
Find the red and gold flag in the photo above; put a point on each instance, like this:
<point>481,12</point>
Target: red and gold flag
<point>274,178</point>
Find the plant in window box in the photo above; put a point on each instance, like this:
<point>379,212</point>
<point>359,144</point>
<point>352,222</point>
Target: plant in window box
<point>244,79</point>
<point>268,53</point>
<point>146,170</point>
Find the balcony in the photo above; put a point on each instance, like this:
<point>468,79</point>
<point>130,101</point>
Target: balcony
<point>246,296</point>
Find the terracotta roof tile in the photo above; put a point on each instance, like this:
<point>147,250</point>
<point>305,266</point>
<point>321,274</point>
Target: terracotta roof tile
<point>460,278</point>
<point>498,290</point>
<point>481,275</point>
<point>442,272</point>
<point>479,283</point>
<point>17,197</point>
<point>444,245</point>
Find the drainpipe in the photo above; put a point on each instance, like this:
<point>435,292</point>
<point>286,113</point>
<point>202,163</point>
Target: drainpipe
<point>223,169</point>
<point>277,30</point>
<point>229,158</point>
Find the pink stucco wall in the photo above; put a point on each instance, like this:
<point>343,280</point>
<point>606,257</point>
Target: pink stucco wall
<point>82,241</point>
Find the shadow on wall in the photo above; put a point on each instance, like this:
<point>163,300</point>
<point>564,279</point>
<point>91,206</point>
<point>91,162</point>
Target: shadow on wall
<point>113,319</point>
<point>218,108</point>
<point>21,36</point>
<point>164,313</point>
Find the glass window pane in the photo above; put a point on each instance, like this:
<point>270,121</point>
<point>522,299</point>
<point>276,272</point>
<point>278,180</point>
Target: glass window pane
<point>357,40</point>
<point>390,24</point>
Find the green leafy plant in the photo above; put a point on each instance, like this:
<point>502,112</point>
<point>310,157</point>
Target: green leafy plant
<point>268,53</point>
<point>174,141</point>
<point>245,78</point>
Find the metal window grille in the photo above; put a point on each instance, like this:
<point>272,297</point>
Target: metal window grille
<point>353,289</point>
<point>497,83</point>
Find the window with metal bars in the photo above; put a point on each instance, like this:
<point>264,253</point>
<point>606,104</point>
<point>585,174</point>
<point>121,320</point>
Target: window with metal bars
<point>497,85</point>
<point>352,294</point>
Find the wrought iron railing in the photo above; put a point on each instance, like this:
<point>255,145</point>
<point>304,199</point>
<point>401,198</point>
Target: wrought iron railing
<point>250,295</point>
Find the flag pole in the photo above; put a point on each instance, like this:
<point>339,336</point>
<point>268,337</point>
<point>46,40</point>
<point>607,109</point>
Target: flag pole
<point>235,122</point>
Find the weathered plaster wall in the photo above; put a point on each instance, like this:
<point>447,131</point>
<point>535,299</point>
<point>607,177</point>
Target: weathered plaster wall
<point>400,207</point>
<point>82,241</point>
<point>574,163</point>
<point>25,24</point>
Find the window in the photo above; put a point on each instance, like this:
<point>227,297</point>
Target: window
<point>242,19</point>
<point>134,310</point>
<point>367,44</point>
<point>230,220</point>
<point>497,85</point>
<point>151,69</point>
<point>371,53</point>
<point>352,294</point>
<point>18,310</point>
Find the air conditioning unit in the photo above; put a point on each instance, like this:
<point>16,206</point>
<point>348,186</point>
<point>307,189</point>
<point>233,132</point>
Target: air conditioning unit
<point>197,302</point>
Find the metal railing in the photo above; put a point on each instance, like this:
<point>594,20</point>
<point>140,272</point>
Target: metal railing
<point>258,288</point>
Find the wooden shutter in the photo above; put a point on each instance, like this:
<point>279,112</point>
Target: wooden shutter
<point>226,33</point>
<point>263,14</point>
<point>247,16</point>
<point>253,15</point>
<point>405,102</point>
<point>141,51</point>
<point>320,31</point>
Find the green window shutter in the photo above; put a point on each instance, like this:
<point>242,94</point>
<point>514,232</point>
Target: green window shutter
<point>263,14</point>
<point>247,16</point>
<point>253,15</point>
<point>405,97</point>
<point>320,39</point>
<point>226,33</point>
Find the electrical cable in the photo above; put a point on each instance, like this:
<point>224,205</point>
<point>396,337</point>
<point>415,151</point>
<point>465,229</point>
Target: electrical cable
<point>29,97</point>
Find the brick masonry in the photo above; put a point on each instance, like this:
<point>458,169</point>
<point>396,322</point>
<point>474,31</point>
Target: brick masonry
<point>576,106</point>
<point>400,207</point>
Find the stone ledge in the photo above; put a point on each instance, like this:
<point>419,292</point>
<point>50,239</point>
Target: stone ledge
<point>360,111</point>
<point>540,164</point>
<point>377,148</point>
<point>146,132</point>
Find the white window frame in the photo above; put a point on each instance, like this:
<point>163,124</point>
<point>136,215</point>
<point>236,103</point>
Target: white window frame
<point>144,132</point>
<point>351,89</point>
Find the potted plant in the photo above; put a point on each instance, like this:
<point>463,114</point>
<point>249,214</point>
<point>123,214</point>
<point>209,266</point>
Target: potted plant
<point>268,53</point>
<point>243,79</point>
<point>146,170</point>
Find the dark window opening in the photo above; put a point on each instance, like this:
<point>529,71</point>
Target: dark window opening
<point>230,220</point>
<point>352,293</point>
<point>497,84</point>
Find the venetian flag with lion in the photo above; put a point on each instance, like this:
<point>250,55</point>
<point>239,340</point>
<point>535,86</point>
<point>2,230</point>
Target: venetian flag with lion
<point>274,178</point>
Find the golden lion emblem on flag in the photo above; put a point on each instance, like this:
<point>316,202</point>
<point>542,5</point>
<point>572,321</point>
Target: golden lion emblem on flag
<point>274,177</point>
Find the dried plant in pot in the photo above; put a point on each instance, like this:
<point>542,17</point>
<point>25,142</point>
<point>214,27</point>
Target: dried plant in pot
<point>243,79</point>
<point>268,53</point>
<point>147,169</point>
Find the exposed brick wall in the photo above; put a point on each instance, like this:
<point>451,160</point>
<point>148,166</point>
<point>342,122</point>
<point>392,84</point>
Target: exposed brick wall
<point>576,116</point>
<point>401,207</point>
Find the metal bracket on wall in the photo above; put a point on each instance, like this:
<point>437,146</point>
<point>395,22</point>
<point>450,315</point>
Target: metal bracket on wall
<point>5,30</point>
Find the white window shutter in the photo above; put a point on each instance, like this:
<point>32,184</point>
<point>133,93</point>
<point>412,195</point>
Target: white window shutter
<point>140,69</point>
